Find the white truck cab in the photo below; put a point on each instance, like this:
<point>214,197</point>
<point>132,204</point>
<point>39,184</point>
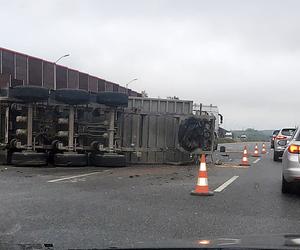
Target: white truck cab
<point>212,110</point>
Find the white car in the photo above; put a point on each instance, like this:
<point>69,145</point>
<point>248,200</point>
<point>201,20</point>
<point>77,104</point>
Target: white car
<point>243,137</point>
<point>281,140</point>
<point>228,135</point>
<point>291,163</point>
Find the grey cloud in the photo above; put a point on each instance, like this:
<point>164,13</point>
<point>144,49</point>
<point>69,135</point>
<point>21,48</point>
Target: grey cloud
<point>241,55</point>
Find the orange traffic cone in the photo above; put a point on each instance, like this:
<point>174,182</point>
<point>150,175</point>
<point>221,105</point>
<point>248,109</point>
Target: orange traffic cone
<point>255,154</point>
<point>263,151</point>
<point>245,161</point>
<point>201,188</point>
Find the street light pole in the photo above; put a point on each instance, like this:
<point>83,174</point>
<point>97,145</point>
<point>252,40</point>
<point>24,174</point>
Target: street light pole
<point>135,79</point>
<point>61,58</point>
<point>66,55</point>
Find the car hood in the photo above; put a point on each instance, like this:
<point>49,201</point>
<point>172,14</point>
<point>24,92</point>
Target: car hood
<point>282,241</point>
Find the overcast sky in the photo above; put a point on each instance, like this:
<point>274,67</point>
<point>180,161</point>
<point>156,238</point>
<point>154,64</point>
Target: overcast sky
<point>243,56</point>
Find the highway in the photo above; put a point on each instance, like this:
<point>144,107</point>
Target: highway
<point>117,207</point>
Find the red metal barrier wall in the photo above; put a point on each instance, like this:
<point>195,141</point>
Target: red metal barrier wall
<point>18,69</point>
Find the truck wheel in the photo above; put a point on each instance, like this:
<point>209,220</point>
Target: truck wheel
<point>285,186</point>
<point>29,93</point>
<point>108,160</point>
<point>72,96</point>
<point>29,158</point>
<point>70,160</point>
<point>276,156</point>
<point>113,99</point>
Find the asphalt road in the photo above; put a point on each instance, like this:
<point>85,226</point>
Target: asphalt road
<point>98,207</point>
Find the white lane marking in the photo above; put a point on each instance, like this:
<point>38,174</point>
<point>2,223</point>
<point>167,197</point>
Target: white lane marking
<point>230,241</point>
<point>76,176</point>
<point>256,161</point>
<point>226,184</point>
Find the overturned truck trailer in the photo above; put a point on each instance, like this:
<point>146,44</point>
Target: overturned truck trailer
<point>163,131</point>
<point>72,127</point>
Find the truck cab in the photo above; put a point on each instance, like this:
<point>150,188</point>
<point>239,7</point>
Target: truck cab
<point>212,110</point>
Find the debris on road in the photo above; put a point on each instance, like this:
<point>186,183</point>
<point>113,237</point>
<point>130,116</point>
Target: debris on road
<point>218,162</point>
<point>132,176</point>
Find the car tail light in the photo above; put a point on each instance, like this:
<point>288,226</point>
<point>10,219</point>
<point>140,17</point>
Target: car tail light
<point>280,137</point>
<point>294,149</point>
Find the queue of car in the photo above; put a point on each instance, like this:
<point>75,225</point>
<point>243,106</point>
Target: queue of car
<point>286,144</point>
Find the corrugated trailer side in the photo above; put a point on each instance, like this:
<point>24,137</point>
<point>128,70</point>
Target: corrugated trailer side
<point>149,129</point>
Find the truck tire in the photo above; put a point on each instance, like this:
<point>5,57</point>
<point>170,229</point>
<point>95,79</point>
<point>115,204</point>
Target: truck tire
<point>72,96</point>
<point>29,93</point>
<point>275,156</point>
<point>29,158</point>
<point>107,160</point>
<point>70,160</point>
<point>113,99</point>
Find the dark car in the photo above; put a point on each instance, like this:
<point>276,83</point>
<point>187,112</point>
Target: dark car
<point>275,133</point>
